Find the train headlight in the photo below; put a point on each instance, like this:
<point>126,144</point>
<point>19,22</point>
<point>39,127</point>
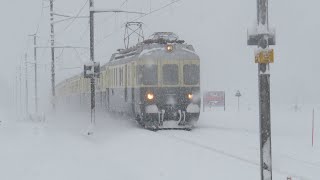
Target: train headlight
<point>150,96</point>
<point>169,48</point>
<point>190,96</point>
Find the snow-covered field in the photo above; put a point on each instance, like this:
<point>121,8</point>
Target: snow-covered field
<point>223,146</point>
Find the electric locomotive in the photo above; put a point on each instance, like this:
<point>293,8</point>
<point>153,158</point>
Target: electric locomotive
<point>157,82</point>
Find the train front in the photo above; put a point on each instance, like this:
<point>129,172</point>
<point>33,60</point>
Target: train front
<point>168,71</point>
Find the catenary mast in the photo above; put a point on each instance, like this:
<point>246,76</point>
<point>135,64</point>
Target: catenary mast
<point>53,91</point>
<point>262,37</point>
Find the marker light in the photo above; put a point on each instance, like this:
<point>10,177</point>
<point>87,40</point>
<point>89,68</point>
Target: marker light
<point>150,96</point>
<point>169,48</point>
<point>190,96</point>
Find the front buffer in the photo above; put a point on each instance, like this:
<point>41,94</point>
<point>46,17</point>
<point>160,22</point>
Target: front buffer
<point>170,111</point>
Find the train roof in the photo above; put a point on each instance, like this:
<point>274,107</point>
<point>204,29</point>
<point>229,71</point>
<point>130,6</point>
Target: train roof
<point>154,47</point>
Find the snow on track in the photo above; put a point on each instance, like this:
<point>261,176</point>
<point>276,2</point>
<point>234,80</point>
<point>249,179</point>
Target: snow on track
<point>226,152</point>
<point>222,146</point>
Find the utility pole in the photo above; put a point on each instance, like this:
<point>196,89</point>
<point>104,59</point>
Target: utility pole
<point>263,36</point>
<point>52,56</point>
<point>93,68</point>
<point>92,80</point>
<point>35,72</point>
<point>52,36</point>
<point>27,93</point>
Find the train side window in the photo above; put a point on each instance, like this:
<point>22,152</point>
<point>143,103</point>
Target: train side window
<point>113,77</point>
<point>139,75</point>
<point>117,69</point>
<point>116,77</point>
<point>170,74</point>
<point>191,74</point>
<point>128,76</point>
<point>121,76</point>
<point>125,84</point>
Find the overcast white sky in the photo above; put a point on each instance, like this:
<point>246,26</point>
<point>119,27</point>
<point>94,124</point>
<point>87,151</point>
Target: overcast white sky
<point>216,28</point>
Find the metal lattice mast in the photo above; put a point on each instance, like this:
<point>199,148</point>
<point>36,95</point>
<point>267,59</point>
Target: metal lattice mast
<point>263,37</point>
<point>52,55</point>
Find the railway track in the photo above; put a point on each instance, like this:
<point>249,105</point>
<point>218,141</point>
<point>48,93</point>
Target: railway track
<point>236,157</point>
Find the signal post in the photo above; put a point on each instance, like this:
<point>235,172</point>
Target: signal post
<point>263,37</point>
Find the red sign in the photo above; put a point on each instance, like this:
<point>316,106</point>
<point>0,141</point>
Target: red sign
<point>214,99</point>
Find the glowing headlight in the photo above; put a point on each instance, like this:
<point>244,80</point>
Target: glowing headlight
<point>150,96</point>
<point>169,48</point>
<point>190,96</point>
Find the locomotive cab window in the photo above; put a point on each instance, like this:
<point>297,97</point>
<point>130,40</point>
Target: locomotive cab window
<point>170,74</point>
<point>147,74</point>
<point>191,74</point>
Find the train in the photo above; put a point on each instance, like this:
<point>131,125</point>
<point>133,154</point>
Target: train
<point>156,82</point>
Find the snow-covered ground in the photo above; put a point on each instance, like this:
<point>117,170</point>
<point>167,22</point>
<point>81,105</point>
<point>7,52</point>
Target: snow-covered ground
<point>224,146</point>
